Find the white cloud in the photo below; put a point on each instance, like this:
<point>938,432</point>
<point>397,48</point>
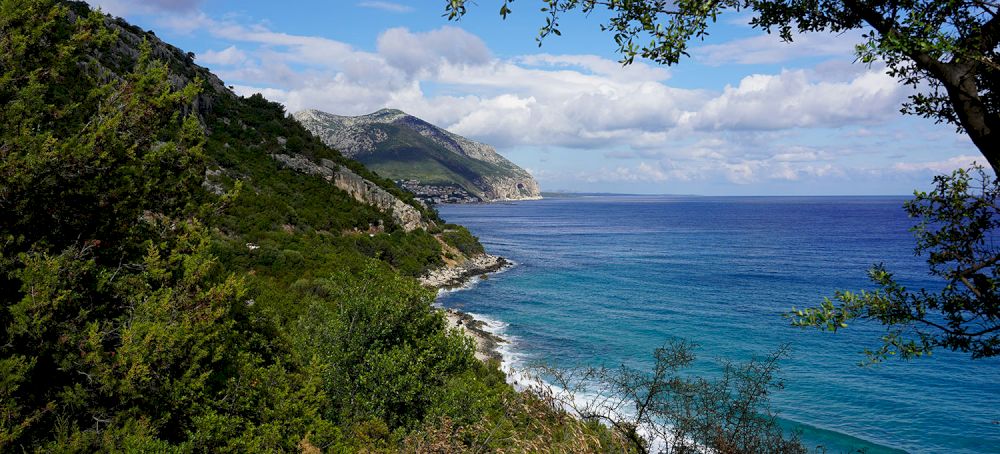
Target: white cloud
<point>391,7</point>
<point>643,172</point>
<point>942,166</point>
<point>563,100</point>
<point>227,57</point>
<point>297,48</point>
<point>416,52</point>
<point>639,71</point>
<point>769,48</point>
<point>792,100</point>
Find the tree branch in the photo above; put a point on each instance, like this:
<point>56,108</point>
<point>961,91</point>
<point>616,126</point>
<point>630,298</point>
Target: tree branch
<point>985,39</point>
<point>970,286</point>
<point>889,28</point>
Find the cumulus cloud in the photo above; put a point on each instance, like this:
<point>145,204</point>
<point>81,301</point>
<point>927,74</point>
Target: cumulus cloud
<point>639,71</point>
<point>580,101</point>
<point>226,57</point>
<point>737,171</point>
<point>416,52</point>
<point>791,99</point>
<point>739,159</point>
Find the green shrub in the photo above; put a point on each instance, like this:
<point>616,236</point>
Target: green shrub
<point>460,238</point>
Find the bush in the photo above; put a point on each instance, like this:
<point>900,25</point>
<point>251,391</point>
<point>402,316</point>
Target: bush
<point>460,238</point>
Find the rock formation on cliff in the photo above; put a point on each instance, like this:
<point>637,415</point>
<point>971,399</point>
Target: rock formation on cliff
<point>361,189</point>
<point>403,147</point>
<point>215,97</point>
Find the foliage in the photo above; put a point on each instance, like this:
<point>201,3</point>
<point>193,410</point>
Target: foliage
<point>77,149</point>
<point>957,228</point>
<point>383,350</point>
<point>121,331</point>
<point>118,328</point>
<point>141,312</point>
<point>531,423</point>
<point>412,254</point>
<point>460,238</point>
<point>945,50</point>
<point>135,316</point>
<point>683,413</point>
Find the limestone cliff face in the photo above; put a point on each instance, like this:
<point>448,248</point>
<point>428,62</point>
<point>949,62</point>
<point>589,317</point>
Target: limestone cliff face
<point>403,147</point>
<point>183,71</point>
<point>361,189</point>
<point>499,188</point>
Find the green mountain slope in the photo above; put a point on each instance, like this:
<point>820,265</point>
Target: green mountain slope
<point>186,270</point>
<point>403,147</point>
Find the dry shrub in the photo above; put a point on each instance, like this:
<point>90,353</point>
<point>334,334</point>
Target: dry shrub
<point>532,422</point>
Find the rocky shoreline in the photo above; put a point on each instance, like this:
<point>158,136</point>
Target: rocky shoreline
<point>450,277</point>
<point>457,276</point>
<point>487,343</point>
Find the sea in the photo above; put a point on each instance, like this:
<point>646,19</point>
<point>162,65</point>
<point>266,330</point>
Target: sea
<point>604,280</point>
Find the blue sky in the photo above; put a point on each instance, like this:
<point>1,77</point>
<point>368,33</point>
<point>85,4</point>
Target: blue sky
<point>746,114</point>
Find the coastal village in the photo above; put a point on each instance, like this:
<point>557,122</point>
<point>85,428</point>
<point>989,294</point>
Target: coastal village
<point>430,194</point>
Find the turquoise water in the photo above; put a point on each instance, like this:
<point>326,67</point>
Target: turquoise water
<point>606,279</point>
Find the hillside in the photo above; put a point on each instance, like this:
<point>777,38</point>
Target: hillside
<point>425,157</point>
<point>184,269</point>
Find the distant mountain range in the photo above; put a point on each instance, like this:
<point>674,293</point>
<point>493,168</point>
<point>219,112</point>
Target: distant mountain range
<point>435,164</point>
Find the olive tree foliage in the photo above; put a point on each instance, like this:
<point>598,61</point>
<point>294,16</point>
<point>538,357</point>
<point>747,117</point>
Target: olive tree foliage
<point>946,50</point>
<point>957,230</point>
<point>667,409</point>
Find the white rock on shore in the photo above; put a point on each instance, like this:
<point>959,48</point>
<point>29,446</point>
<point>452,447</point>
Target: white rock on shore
<point>486,342</point>
<point>456,276</point>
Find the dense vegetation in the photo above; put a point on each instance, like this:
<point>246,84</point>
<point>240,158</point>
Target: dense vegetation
<point>461,239</point>
<point>409,155</point>
<point>299,223</point>
<point>143,311</point>
<point>166,286</point>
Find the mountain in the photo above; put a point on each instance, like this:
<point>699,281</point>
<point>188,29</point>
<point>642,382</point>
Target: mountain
<point>249,138</point>
<point>426,159</point>
<point>185,269</point>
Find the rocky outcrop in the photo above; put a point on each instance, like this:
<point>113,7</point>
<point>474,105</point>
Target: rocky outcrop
<point>348,135</point>
<point>502,188</point>
<point>361,189</point>
<point>458,275</point>
<point>487,343</point>
<point>114,61</point>
<point>403,147</point>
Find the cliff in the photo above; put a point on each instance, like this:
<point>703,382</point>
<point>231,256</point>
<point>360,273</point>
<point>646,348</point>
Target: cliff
<point>217,101</point>
<point>428,158</point>
<point>361,189</point>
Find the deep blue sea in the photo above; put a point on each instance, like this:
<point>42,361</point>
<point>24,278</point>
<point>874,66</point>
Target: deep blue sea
<point>604,280</point>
